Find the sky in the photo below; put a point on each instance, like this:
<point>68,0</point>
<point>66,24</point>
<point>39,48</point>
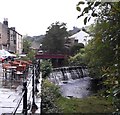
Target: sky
<point>33,17</point>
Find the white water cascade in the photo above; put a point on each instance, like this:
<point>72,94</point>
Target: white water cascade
<point>73,81</point>
<point>68,74</point>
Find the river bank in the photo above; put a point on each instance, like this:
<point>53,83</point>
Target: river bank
<point>90,104</point>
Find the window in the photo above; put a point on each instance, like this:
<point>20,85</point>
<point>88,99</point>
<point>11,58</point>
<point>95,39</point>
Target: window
<point>11,39</point>
<point>14,41</point>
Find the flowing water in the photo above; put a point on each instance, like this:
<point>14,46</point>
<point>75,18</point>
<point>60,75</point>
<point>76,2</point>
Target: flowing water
<point>73,81</point>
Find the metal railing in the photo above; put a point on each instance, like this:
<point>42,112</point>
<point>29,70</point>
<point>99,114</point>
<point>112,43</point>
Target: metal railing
<point>35,81</point>
<point>18,104</point>
<point>24,98</point>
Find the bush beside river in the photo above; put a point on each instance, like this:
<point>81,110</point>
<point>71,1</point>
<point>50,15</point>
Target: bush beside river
<point>53,102</point>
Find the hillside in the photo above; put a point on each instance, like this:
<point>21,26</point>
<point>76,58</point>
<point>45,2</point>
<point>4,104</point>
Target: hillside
<point>35,38</point>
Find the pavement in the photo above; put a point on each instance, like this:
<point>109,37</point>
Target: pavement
<point>11,91</point>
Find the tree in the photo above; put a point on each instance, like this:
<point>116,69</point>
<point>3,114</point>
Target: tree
<point>108,15</point>
<point>55,38</point>
<point>76,48</point>
<point>104,48</point>
<point>78,59</point>
<point>26,46</point>
<point>46,68</point>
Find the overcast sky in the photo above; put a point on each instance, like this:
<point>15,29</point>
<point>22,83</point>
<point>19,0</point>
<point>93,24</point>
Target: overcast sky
<point>32,17</point>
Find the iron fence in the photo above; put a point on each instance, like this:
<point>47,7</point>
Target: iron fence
<point>27,102</point>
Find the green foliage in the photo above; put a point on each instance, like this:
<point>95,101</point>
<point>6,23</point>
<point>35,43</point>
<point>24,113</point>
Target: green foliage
<point>103,51</point>
<point>91,105</point>
<point>50,93</point>
<point>55,38</point>
<point>31,55</point>
<point>25,58</point>
<point>26,46</point>
<point>116,99</point>
<point>78,59</point>
<point>76,48</point>
<point>46,68</point>
<point>53,102</point>
<point>94,9</point>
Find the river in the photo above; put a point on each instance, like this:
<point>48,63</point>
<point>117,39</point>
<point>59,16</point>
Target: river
<point>74,85</point>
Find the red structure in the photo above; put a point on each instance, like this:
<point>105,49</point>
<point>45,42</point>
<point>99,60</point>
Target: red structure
<point>50,56</point>
<point>57,59</point>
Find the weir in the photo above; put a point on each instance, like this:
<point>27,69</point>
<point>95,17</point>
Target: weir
<point>74,81</point>
<point>62,74</point>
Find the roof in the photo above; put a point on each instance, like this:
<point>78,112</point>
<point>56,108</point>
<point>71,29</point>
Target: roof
<point>81,36</point>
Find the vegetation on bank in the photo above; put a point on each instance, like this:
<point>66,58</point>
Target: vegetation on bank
<point>49,96</point>
<point>93,104</point>
<point>46,68</point>
<point>101,54</point>
<point>53,102</point>
<point>103,50</point>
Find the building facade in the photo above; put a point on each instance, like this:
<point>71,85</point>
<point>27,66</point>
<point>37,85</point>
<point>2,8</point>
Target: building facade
<point>19,43</point>
<point>3,36</point>
<point>15,41</point>
<point>10,39</point>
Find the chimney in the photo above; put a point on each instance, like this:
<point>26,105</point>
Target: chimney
<point>5,22</point>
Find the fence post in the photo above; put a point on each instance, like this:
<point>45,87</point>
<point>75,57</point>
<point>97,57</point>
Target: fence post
<point>36,82</point>
<point>34,106</point>
<point>39,66</point>
<point>25,98</point>
<point>37,77</point>
<point>37,72</point>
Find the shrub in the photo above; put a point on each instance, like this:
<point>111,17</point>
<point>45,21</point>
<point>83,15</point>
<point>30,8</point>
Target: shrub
<point>50,93</point>
<point>46,68</point>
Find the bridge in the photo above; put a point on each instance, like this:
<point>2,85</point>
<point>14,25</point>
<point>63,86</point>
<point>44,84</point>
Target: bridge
<point>57,59</point>
<point>50,56</point>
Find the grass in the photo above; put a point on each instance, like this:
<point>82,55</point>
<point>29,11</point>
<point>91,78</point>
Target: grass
<point>91,104</point>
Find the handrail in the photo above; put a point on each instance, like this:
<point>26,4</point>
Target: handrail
<point>29,81</point>
<point>19,101</point>
<point>13,113</point>
<point>31,90</point>
<point>24,95</point>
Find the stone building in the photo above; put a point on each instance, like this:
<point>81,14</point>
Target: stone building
<point>15,41</point>
<point>10,39</point>
<point>3,35</point>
